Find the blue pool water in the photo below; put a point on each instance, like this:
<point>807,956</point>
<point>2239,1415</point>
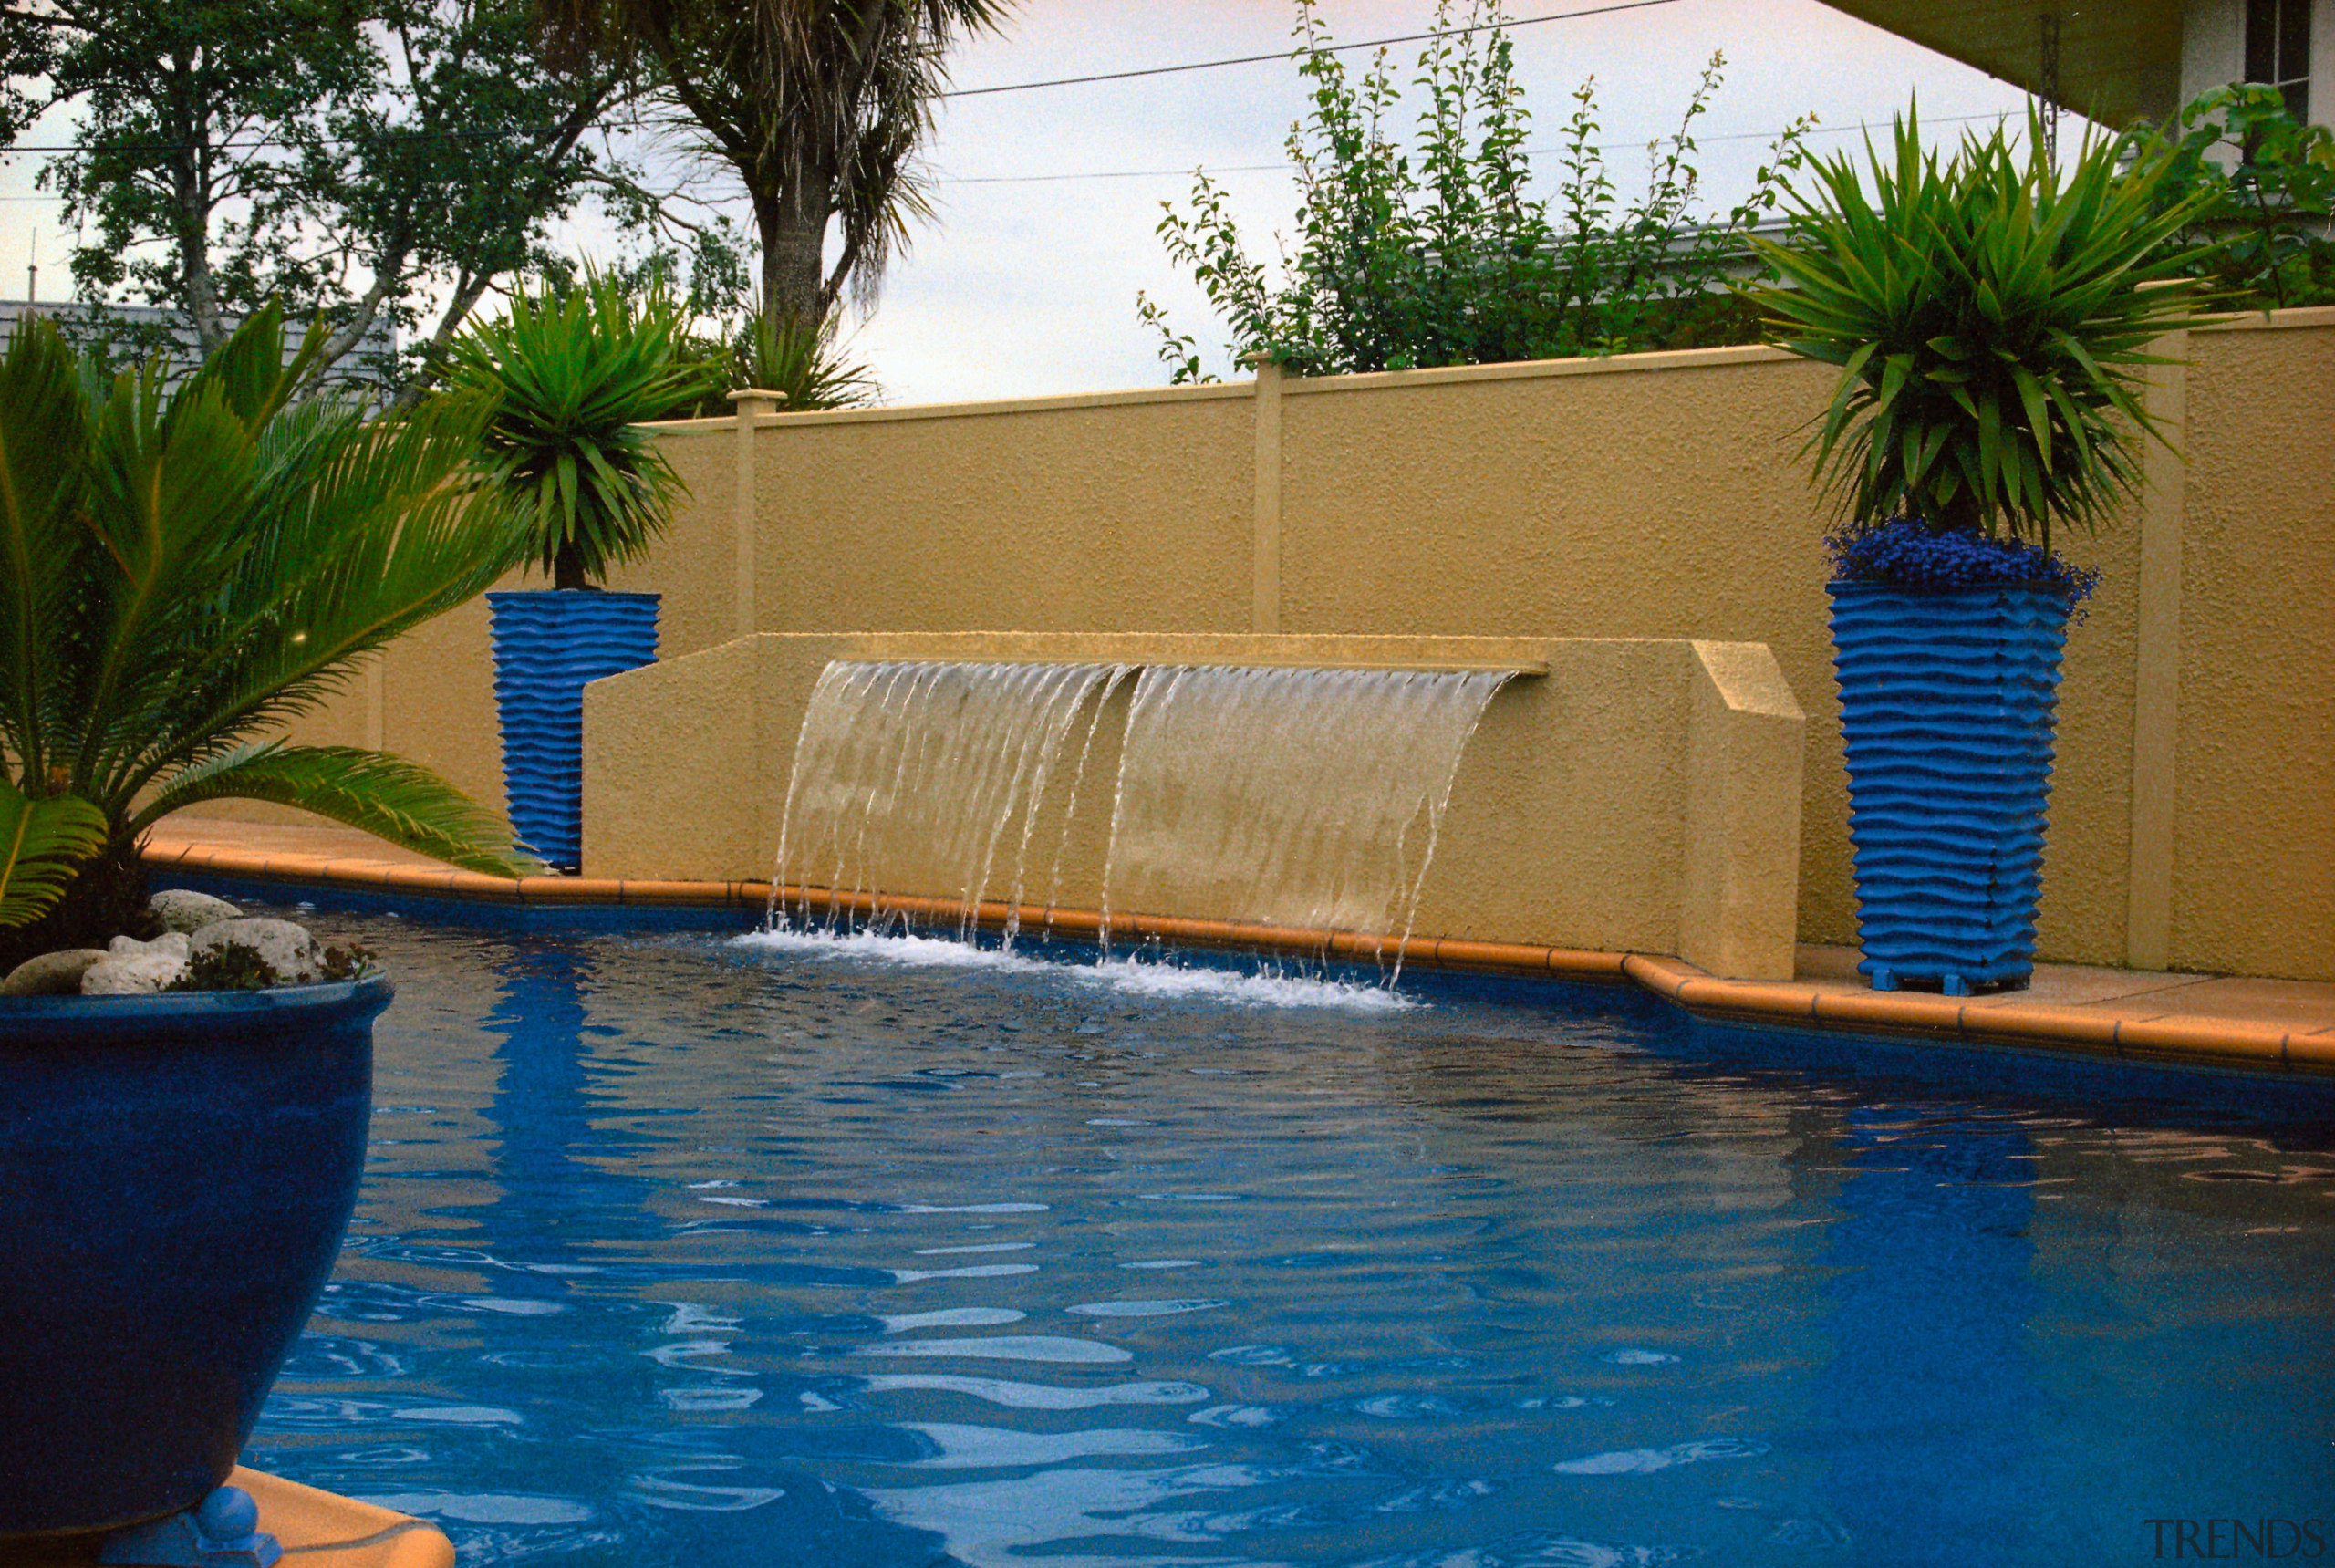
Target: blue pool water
<point>679,1251</point>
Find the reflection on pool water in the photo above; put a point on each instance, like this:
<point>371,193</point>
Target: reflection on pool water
<point>678,1250</point>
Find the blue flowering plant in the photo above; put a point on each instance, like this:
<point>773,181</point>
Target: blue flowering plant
<point>1906,553</point>
<point>1993,316</point>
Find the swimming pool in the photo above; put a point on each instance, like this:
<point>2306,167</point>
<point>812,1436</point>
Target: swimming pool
<point>679,1251</point>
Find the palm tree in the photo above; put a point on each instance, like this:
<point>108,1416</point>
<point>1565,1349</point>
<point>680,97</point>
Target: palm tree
<point>183,571</point>
<point>821,107</point>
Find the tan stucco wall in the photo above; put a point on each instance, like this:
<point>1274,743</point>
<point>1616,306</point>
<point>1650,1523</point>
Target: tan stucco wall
<point>1094,514</point>
<point>1644,496</point>
<point>431,696</point>
<point>1551,837</point>
<point>2254,808</point>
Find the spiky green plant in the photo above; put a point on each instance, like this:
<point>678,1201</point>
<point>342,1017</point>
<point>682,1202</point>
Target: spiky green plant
<point>574,375</point>
<point>1989,321</point>
<point>801,358</point>
<point>181,571</point>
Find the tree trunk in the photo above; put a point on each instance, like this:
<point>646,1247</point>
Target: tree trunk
<point>792,223</point>
<point>567,572</point>
<point>191,204</point>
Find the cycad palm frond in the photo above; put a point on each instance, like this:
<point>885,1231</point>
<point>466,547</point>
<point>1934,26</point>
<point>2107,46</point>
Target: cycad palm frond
<point>41,842</point>
<point>379,536</point>
<point>389,797</point>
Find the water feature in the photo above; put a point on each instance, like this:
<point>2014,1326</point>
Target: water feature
<point>1303,798</point>
<point>1307,799</point>
<point>680,1250</point>
<point>928,776</point>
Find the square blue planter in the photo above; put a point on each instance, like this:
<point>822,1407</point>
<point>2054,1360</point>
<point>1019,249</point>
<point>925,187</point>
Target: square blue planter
<point>1948,700</point>
<point>547,645</point>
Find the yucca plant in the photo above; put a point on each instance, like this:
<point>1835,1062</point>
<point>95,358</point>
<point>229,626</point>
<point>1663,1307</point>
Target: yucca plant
<point>186,570</point>
<point>1988,318</point>
<point>772,351</point>
<point>801,358</point>
<point>573,374</point>
<point>1993,332</point>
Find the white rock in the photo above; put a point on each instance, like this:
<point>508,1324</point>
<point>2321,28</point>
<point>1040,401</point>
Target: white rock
<point>133,975</point>
<point>181,909</point>
<point>285,946</point>
<point>51,974</point>
<point>169,944</point>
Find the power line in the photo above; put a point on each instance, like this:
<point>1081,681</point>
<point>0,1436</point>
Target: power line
<point>264,141</point>
<point>972,92</point>
<point>1602,148</point>
<point>1327,49</point>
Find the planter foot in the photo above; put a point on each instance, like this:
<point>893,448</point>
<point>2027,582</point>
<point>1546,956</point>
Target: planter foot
<point>1953,985</point>
<point>221,1532</point>
<point>1883,978</point>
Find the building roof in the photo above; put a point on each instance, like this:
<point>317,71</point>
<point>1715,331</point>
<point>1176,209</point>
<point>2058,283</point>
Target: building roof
<point>2118,61</point>
<point>362,367</point>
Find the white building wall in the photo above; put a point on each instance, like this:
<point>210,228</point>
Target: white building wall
<point>2213,51</point>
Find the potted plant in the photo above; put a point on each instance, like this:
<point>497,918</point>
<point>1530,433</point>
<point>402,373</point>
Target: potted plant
<point>1991,323</point>
<point>574,375</point>
<point>186,569</point>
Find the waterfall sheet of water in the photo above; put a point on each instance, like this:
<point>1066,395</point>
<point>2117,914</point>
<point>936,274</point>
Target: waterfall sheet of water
<point>929,774</point>
<point>1306,798</point>
<point>1303,798</point>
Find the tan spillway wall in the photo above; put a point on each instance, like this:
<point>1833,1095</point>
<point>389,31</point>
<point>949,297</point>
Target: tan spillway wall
<point>1642,497</point>
<point>1629,796</point>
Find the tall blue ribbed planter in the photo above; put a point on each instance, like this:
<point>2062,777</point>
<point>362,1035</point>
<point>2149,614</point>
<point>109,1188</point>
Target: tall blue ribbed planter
<point>547,645</point>
<point>1946,709</point>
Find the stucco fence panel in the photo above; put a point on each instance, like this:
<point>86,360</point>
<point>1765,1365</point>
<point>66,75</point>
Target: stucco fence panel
<point>1641,497</point>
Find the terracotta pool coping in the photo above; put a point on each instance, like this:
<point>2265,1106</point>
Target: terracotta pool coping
<point>320,1529</point>
<point>2116,1032</point>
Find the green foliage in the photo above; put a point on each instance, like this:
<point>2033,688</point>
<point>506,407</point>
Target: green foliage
<point>821,108</point>
<point>806,363</point>
<point>1441,257</point>
<point>372,160</point>
<point>239,966</point>
<point>41,842</point>
<point>800,358</point>
<point>188,569</point>
<point>572,374</point>
<point>230,966</point>
<point>2260,185</point>
<point>1989,323</point>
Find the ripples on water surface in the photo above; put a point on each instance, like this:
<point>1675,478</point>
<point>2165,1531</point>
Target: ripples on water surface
<point>679,1251</point>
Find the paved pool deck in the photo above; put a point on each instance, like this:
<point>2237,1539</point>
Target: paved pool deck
<point>2250,1023</point>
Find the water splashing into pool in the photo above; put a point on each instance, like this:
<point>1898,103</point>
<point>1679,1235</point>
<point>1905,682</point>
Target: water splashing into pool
<point>1304,799</point>
<point>927,775</point>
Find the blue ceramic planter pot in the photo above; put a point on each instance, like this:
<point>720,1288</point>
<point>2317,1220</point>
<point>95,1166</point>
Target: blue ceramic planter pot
<point>547,645</point>
<point>1947,708</point>
<point>175,1174</point>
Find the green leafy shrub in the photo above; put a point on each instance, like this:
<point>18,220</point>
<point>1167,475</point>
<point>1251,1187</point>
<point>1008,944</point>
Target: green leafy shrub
<point>572,374</point>
<point>1988,318</point>
<point>2259,186</point>
<point>1441,257</point>
<point>801,358</point>
<point>239,966</point>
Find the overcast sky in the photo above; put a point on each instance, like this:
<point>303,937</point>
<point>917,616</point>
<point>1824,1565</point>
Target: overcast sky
<point>1049,198</point>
